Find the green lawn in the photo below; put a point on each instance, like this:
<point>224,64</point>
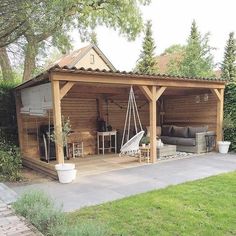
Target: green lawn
<point>204,207</point>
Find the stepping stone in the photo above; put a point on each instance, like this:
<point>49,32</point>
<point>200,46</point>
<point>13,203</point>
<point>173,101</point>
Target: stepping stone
<point>7,195</point>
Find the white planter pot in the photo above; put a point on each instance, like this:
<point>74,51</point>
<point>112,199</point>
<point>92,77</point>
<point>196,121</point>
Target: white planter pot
<point>223,146</point>
<point>66,172</point>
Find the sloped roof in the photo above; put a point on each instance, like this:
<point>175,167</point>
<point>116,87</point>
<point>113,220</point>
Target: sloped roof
<point>44,77</point>
<point>70,60</point>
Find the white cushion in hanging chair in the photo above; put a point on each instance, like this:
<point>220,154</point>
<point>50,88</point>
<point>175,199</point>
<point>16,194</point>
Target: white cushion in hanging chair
<point>132,146</point>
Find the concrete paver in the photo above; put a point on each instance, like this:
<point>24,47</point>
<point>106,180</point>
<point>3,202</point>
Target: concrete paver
<point>96,189</point>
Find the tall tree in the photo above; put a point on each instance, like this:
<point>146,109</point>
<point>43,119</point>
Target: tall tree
<point>146,63</point>
<point>228,66</point>
<point>44,20</point>
<point>197,60</point>
<point>5,65</point>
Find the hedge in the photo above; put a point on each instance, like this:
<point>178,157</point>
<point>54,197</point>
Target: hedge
<point>8,121</point>
<point>230,108</point>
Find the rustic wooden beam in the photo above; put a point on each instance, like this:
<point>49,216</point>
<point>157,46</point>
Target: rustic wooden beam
<point>147,92</point>
<point>57,121</point>
<point>107,79</point>
<point>65,89</point>
<point>159,92</point>
<point>220,115</point>
<point>216,93</point>
<point>153,132</point>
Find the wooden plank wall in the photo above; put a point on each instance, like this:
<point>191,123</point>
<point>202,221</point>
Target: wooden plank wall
<point>183,110</point>
<point>117,111</point>
<point>83,115</point>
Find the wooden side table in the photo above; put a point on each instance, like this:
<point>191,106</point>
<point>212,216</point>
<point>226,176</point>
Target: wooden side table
<point>102,135</point>
<point>144,153</point>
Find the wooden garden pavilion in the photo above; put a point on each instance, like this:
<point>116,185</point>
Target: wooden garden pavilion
<point>85,94</point>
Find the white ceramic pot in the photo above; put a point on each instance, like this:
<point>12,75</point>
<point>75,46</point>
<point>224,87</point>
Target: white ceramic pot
<point>66,172</point>
<point>223,146</point>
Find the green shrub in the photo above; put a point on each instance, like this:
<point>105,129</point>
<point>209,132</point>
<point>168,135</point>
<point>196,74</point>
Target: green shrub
<point>10,161</point>
<point>230,109</point>
<point>40,211</point>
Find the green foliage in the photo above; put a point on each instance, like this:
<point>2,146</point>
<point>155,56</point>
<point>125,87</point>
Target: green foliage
<point>145,140</point>
<point>197,60</point>
<point>175,48</point>
<point>41,211</point>
<point>61,138</point>
<point>230,111</point>
<point>33,23</point>
<point>8,122</point>
<point>228,66</point>
<point>146,63</point>
<point>10,161</point>
<point>203,207</point>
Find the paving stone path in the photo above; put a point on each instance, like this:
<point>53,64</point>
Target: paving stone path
<point>13,225</point>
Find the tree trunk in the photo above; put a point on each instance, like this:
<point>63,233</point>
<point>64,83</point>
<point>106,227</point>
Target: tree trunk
<point>30,56</point>
<point>5,64</point>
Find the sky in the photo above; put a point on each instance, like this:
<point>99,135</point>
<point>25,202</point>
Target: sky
<point>171,22</point>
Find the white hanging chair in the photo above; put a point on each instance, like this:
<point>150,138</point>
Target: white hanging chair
<point>130,146</point>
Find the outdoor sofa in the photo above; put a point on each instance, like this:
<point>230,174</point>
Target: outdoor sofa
<point>187,139</point>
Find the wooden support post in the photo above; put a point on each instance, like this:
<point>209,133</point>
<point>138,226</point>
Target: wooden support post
<point>220,116</point>
<point>57,120</point>
<point>153,132</point>
<point>153,94</point>
<point>219,94</point>
<point>19,121</point>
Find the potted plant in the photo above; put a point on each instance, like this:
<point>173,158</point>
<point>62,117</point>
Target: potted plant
<point>227,124</point>
<point>145,141</point>
<point>66,171</point>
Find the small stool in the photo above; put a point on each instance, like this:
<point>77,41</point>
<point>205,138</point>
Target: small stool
<point>76,149</point>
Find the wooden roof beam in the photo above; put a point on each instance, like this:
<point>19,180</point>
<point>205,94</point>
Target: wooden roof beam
<point>159,92</point>
<point>217,93</point>
<point>122,80</point>
<point>65,89</point>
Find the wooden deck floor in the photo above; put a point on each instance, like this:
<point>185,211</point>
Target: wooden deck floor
<point>102,163</point>
<point>88,165</point>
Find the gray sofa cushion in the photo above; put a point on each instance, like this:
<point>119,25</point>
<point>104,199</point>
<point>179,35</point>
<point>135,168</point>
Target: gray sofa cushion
<point>169,140</point>
<point>186,141</point>
<point>179,132</point>
<point>166,130</point>
<point>178,141</point>
<point>193,130</point>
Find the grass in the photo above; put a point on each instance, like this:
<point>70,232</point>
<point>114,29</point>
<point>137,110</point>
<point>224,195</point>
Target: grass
<point>204,207</point>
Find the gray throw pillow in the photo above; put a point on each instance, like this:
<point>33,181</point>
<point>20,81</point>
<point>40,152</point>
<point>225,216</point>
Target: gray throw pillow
<point>193,130</point>
<point>166,130</point>
<point>180,131</point>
